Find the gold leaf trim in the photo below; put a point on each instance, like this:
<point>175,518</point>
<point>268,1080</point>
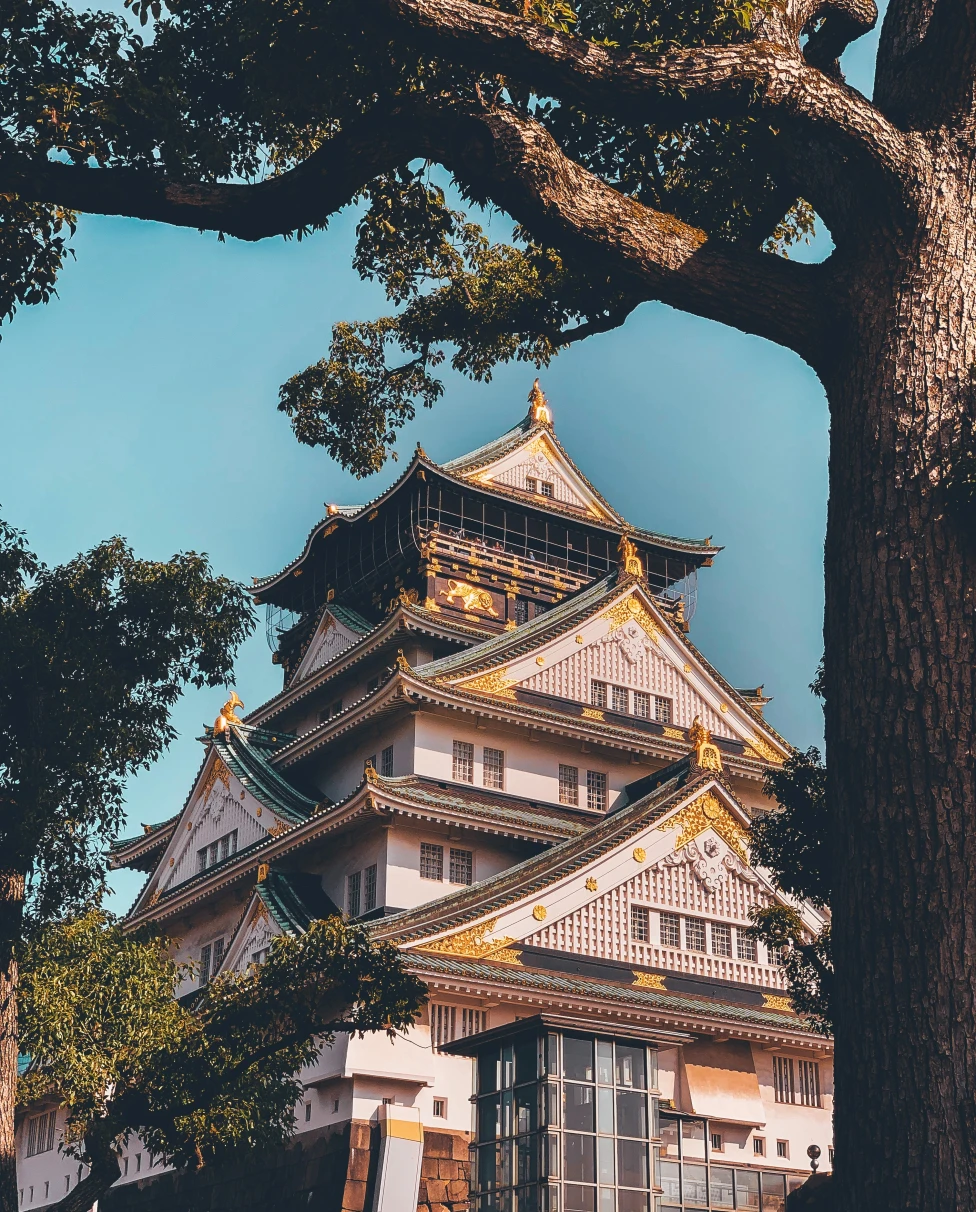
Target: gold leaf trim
<point>765,751</point>
<point>631,608</point>
<point>539,913</point>
<point>708,812</point>
<point>590,713</point>
<point>649,980</point>
<point>640,854</point>
<point>495,681</point>
<point>217,771</point>
<point>674,733</point>
<point>591,884</point>
<point>773,1001</point>
<point>472,943</point>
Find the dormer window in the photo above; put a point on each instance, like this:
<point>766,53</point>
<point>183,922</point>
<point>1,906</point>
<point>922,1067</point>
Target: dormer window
<point>216,852</point>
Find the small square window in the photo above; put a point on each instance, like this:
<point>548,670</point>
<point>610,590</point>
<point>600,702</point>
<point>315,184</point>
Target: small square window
<point>308,1112</point>
<point>568,784</point>
<point>354,888</point>
<point>387,1102</point>
<point>694,934</point>
<point>596,790</point>
<point>662,709</point>
<point>830,1154</point>
<point>640,924</point>
<point>440,1108</point>
<point>642,704</point>
<point>494,768</point>
<point>721,939</point>
<point>462,866</point>
<point>545,487</point>
<point>619,699</point>
<point>386,762</point>
<point>530,483</point>
<point>598,693</point>
<point>670,930</point>
<point>335,1106</point>
<point>759,1146</point>
<point>463,762</point>
<point>745,946</point>
<point>716,1142</point>
<point>431,861</point>
<point>783,1148</point>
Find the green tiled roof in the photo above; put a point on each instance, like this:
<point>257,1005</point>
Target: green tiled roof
<point>243,750</point>
<point>147,832</point>
<point>295,900</point>
<point>608,992</point>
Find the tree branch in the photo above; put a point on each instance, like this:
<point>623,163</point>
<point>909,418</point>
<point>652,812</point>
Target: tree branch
<point>926,67</point>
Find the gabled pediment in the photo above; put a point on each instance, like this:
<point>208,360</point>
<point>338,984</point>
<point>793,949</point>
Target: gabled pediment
<point>641,664</point>
<point>252,938</point>
<point>335,633</point>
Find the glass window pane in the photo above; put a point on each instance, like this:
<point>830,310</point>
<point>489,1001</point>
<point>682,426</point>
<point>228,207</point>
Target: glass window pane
<point>527,1200</point>
<point>577,1058</point>
<point>671,1180</point>
<point>488,1118</point>
<point>526,1060</point>
<point>773,1192</point>
<point>693,1139</point>
<point>669,1136</point>
<point>604,1062</point>
<point>487,1072</point>
<point>607,1201</point>
<point>579,1199</point>
<point>695,1181</point>
<point>631,1066</point>
<point>508,1066</point>
<point>631,1113</point>
<point>552,1055</point>
<point>526,1109</point>
<point>604,1110</point>
<point>632,1168</point>
<point>550,1103</point>
<point>488,1167</point>
<point>746,1189</point>
<point>652,1069</point>
<point>605,1159</point>
<point>528,1159</point>
<point>551,1156</point>
<point>632,1201</point>
<point>579,1158</point>
<point>720,1186</point>
<point>578,1108</point>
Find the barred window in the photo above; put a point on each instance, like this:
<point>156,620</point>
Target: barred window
<point>596,790</point>
<point>694,934</point>
<point>784,1079</point>
<point>463,762</point>
<point>494,768</point>
<point>40,1133</point>
<point>369,888</point>
<point>462,866</point>
<point>670,930</point>
<point>568,784</point>
<point>217,851</point>
<point>521,611</point>
<point>598,693</point>
<point>619,699</point>
<point>640,924</point>
<point>745,946</point>
<point>448,1023</point>
<point>210,959</point>
<point>545,487</point>
<point>721,939</point>
<point>354,893</point>
<point>431,861</point>
<point>808,1083</point>
<point>530,483</point>
<point>642,704</point>
<point>386,762</point>
<point>662,709</point>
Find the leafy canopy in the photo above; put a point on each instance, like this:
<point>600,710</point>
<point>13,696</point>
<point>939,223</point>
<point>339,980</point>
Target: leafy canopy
<point>93,656</point>
<point>99,1015</point>
<point>245,89</point>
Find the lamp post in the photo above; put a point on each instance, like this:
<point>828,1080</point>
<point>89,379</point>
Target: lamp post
<point>813,1152</point>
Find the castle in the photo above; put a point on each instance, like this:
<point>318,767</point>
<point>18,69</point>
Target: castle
<point>496,743</point>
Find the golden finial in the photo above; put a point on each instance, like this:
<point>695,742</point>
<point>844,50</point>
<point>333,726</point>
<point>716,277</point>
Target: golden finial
<point>369,773</point>
<point>228,715</point>
<point>401,661</point>
<point>263,869</point>
<point>707,753</point>
<point>630,561</point>
<point>420,453</point>
<point>539,409</point>
<point>331,510</point>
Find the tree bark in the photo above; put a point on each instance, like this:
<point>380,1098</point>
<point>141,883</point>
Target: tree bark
<point>11,915</point>
<point>900,640</point>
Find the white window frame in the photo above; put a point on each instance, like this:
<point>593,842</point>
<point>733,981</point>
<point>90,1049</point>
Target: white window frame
<point>463,761</point>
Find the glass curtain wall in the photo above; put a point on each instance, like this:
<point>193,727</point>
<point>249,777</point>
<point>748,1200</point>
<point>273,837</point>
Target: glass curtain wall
<point>692,1177</point>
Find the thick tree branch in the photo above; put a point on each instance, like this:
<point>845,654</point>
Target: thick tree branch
<point>764,75</point>
<point>926,68</point>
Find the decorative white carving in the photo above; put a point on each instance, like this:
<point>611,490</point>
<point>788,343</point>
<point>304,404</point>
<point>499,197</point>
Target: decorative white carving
<point>632,640</point>
<point>711,860</point>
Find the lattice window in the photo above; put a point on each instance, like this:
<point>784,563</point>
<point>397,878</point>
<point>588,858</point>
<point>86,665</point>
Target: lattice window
<point>808,1083</point>
<point>694,934</point>
<point>494,768</point>
<point>640,924</point>
<point>619,699</point>
<point>354,893</point>
<point>670,930</point>
<point>596,790</point>
<point>462,866</point>
<point>598,693</point>
<point>568,784</point>
<point>642,704</point>
<point>463,762</point>
<point>521,611</point>
<point>369,888</point>
<point>40,1133</point>
<point>545,487</point>
<point>447,1021</point>
<point>721,939</point>
<point>210,959</point>
<point>530,483</point>
<point>745,946</point>
<point>386,763</point>
<point>431,861</point>
<point>216,852</point>
<point>663,712</point>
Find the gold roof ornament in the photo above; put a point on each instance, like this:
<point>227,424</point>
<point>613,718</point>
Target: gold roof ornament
<point>228,715</point>
<point>630,561</point>
<point>707,753</point>
<point>539,409</point>
<point>402,662</point>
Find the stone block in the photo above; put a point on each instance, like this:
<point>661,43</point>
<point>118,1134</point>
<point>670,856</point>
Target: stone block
<point>439,1208</point>
<point>359,1134</point>
<point>459,1148</point>
<point>353,1196</point>
<point>436,1190</point>
<point>438,1144</point>
<point>358,1164</point>
<point>428,1167</point>
<point>457,1190</point>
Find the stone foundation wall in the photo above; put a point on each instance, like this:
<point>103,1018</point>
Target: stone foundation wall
<point>445,1173</point>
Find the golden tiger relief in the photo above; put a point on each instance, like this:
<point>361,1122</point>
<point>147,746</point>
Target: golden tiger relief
<point>470,597</point>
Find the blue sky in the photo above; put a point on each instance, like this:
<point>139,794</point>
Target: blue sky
<point>142,402</point>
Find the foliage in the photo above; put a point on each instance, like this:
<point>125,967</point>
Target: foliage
<point>236,89</point>
<point>94,653</point>
<point>98,1012</point>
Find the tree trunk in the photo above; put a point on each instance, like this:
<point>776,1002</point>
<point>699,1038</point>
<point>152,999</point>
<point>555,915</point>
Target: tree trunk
<point>11,916</point>
<point>900,641</point>
<point>105,1169</point>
